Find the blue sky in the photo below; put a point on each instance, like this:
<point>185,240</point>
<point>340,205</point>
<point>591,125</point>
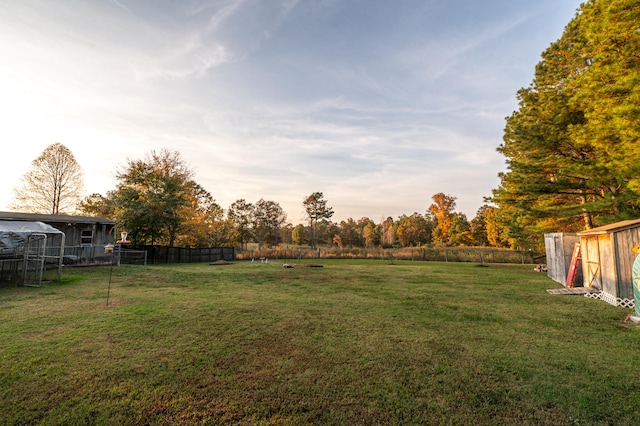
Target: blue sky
<point>379,104</point>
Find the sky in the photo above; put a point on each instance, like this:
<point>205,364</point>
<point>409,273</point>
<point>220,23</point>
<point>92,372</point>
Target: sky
<point>378,104</point>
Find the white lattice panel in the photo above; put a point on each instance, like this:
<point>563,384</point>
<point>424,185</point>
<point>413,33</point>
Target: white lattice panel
<point>610,299</point>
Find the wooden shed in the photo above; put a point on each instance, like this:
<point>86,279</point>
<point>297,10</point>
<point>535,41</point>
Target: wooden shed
<point>607,259</point>
<point>559,248</point>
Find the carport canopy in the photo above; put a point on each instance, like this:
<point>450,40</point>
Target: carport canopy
<point>16,233</point>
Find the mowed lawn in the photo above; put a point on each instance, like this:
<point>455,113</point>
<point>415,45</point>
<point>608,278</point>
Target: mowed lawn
<point>353,342</point>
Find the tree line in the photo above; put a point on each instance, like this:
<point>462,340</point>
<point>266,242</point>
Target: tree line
<point>158,202</point>
<point>572,163</point>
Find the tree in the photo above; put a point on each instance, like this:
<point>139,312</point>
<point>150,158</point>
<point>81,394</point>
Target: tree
<point>268,218</point>
<point>316,208</point>
<point>286,232</point>
<point>241,214</point>
<point>460,231</point>
<point>387,233</point>
<point>158,203</point>
<point>442,209</point>
<point>478,226</point>
<point>608,91</point>
<point>572,154</point>
<point>54,184</point>
<point>98,205</point>
<point>152,196</point>
<point>371,234</point>
<point>327,230</point>
<point>413,230</point>
<point>299,234</point>
<point>348,234</point>
<point>495,233</point>
<point>202,219</point>
<point>548,182</point>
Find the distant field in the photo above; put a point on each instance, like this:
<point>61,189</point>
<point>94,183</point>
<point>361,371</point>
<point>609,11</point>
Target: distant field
<point>353,342</point>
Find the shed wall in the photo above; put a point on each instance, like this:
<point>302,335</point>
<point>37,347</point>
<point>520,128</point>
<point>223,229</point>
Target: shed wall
<point>607,261</point>
<point>625,241</point>
<point>559,250</point>
<point>101,233</point>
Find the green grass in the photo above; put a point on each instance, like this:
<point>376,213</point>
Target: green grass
<point>354,342</point>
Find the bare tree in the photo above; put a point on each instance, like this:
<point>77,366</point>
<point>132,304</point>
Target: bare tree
<point>54,184</point>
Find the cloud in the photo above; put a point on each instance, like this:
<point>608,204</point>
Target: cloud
<point>378,104</point>
<point>120,5</point>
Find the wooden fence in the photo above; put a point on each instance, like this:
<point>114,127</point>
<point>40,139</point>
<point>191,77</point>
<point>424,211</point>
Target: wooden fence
<point>156,255</point>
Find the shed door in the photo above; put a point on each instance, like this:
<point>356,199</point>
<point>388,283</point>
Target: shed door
<point>608,264</point>
<point>591,263</point>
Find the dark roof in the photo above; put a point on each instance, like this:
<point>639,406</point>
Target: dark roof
<point>54,218</point>
<point>612,227</point>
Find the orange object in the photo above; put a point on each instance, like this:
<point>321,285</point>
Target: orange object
<point>573,268</point>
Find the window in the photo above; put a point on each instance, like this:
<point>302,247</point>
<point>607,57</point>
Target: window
<point>86,238</point>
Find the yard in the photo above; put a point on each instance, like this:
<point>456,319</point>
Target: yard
<point>353,342</point>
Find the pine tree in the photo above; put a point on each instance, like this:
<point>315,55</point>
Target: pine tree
<point>316,207</point>
<point>571,147</point>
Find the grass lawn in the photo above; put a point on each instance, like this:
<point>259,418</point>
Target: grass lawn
<point>354,342</point>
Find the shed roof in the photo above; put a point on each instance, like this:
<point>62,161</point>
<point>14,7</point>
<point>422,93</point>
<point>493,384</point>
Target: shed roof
<point>54,218</point>
<point>612,227</point>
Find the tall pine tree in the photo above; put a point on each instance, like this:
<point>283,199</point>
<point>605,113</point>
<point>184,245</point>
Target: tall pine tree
<point>569,145</point>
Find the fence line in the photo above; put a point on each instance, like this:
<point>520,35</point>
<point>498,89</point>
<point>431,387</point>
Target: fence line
<point>441,254</point>
<point>96,255</point>
<point>156,254</point>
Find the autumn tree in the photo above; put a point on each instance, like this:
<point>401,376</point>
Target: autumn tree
<point>387,232</point>
<point>202,219</point>
<point>442,209</point>
<point>316,208</point>
<point>370,233</point>
<point>54,185</point>
<point>348,234</point>
<point>299,234</point>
